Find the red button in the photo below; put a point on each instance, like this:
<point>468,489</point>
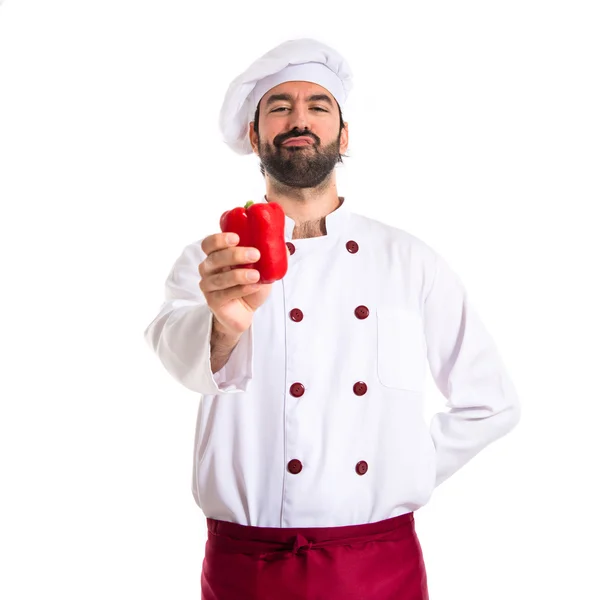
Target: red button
<point>362,467</point>
<point>291,247</point>
<point>352,247</point>
<point>361,312</point>
<point>296,389</point>
<point>296,314</point>
<point>360,388</point>
<point>294,466</point>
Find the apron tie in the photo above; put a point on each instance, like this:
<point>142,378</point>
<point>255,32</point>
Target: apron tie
<point>301,544</point>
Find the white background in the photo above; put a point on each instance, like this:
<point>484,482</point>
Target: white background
<point>473,125</point>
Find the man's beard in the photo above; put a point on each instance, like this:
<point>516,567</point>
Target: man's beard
<point>304,166</point>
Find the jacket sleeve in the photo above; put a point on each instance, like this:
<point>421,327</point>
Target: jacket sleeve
<point>468,371</point>
<point>181,331</point>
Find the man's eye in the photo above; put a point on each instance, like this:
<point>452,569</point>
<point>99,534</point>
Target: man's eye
<point>286,108</point>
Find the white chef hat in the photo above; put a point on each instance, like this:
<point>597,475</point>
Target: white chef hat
<point>295,60</point>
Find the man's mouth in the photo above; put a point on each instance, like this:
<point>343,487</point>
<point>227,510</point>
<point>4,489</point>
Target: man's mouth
<point>298,141</point>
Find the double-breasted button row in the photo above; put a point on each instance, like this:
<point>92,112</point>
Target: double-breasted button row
<point>295,466</point>
<point>360,387</point>
<point>360,312</point>
<point>351,246</point>
<point>297,389</point>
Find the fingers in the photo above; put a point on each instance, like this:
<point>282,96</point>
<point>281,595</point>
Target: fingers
<point>222,280</point>
<point>221,256</point>
<point>218,241</point>
<point>218,278</point>
<point>219,297</point>
<point>224,261</point>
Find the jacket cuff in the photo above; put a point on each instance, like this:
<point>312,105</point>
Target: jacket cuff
<point>236,374</point>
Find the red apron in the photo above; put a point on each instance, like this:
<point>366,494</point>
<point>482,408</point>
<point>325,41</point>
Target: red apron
<point>372,561</point>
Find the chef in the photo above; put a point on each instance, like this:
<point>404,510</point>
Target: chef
<point>311,450</point>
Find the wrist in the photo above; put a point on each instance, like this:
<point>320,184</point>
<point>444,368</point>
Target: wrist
<point>224,335</point>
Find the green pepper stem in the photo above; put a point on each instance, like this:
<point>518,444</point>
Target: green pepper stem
<point>248,203</point>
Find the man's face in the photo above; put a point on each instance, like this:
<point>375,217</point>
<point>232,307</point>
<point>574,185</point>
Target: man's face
<point>306,116</point>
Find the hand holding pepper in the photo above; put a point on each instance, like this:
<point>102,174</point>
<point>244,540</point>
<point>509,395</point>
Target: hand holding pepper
<point>229,293</point>
<point>261,226</point>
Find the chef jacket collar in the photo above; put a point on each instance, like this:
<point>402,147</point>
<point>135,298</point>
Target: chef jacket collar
<point>334,223</point>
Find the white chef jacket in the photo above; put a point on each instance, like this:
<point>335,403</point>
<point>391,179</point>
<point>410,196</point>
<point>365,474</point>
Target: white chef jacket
<point>317,418</point>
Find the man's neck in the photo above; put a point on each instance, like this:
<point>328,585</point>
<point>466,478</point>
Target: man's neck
<point>310,229</point>
<point>308,207</point>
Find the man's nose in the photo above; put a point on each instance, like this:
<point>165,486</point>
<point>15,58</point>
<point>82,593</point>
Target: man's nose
<point>298,119</point>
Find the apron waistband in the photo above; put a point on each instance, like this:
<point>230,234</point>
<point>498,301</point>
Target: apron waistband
<point>271,543</point>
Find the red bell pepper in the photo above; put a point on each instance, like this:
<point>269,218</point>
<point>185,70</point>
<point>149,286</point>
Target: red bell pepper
<point>260,226</point>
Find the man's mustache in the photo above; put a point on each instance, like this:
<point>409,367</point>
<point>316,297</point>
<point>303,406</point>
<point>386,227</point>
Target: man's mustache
<point>290,136</point>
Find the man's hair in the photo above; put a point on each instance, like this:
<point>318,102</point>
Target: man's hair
<point>255,127</point>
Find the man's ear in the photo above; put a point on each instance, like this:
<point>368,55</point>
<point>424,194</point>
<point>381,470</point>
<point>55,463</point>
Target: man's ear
<point>253,137</point>
<point>344,139</point>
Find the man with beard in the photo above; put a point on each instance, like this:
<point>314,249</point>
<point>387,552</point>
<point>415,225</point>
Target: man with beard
<point>297,165</point>
<point>311,452</point>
